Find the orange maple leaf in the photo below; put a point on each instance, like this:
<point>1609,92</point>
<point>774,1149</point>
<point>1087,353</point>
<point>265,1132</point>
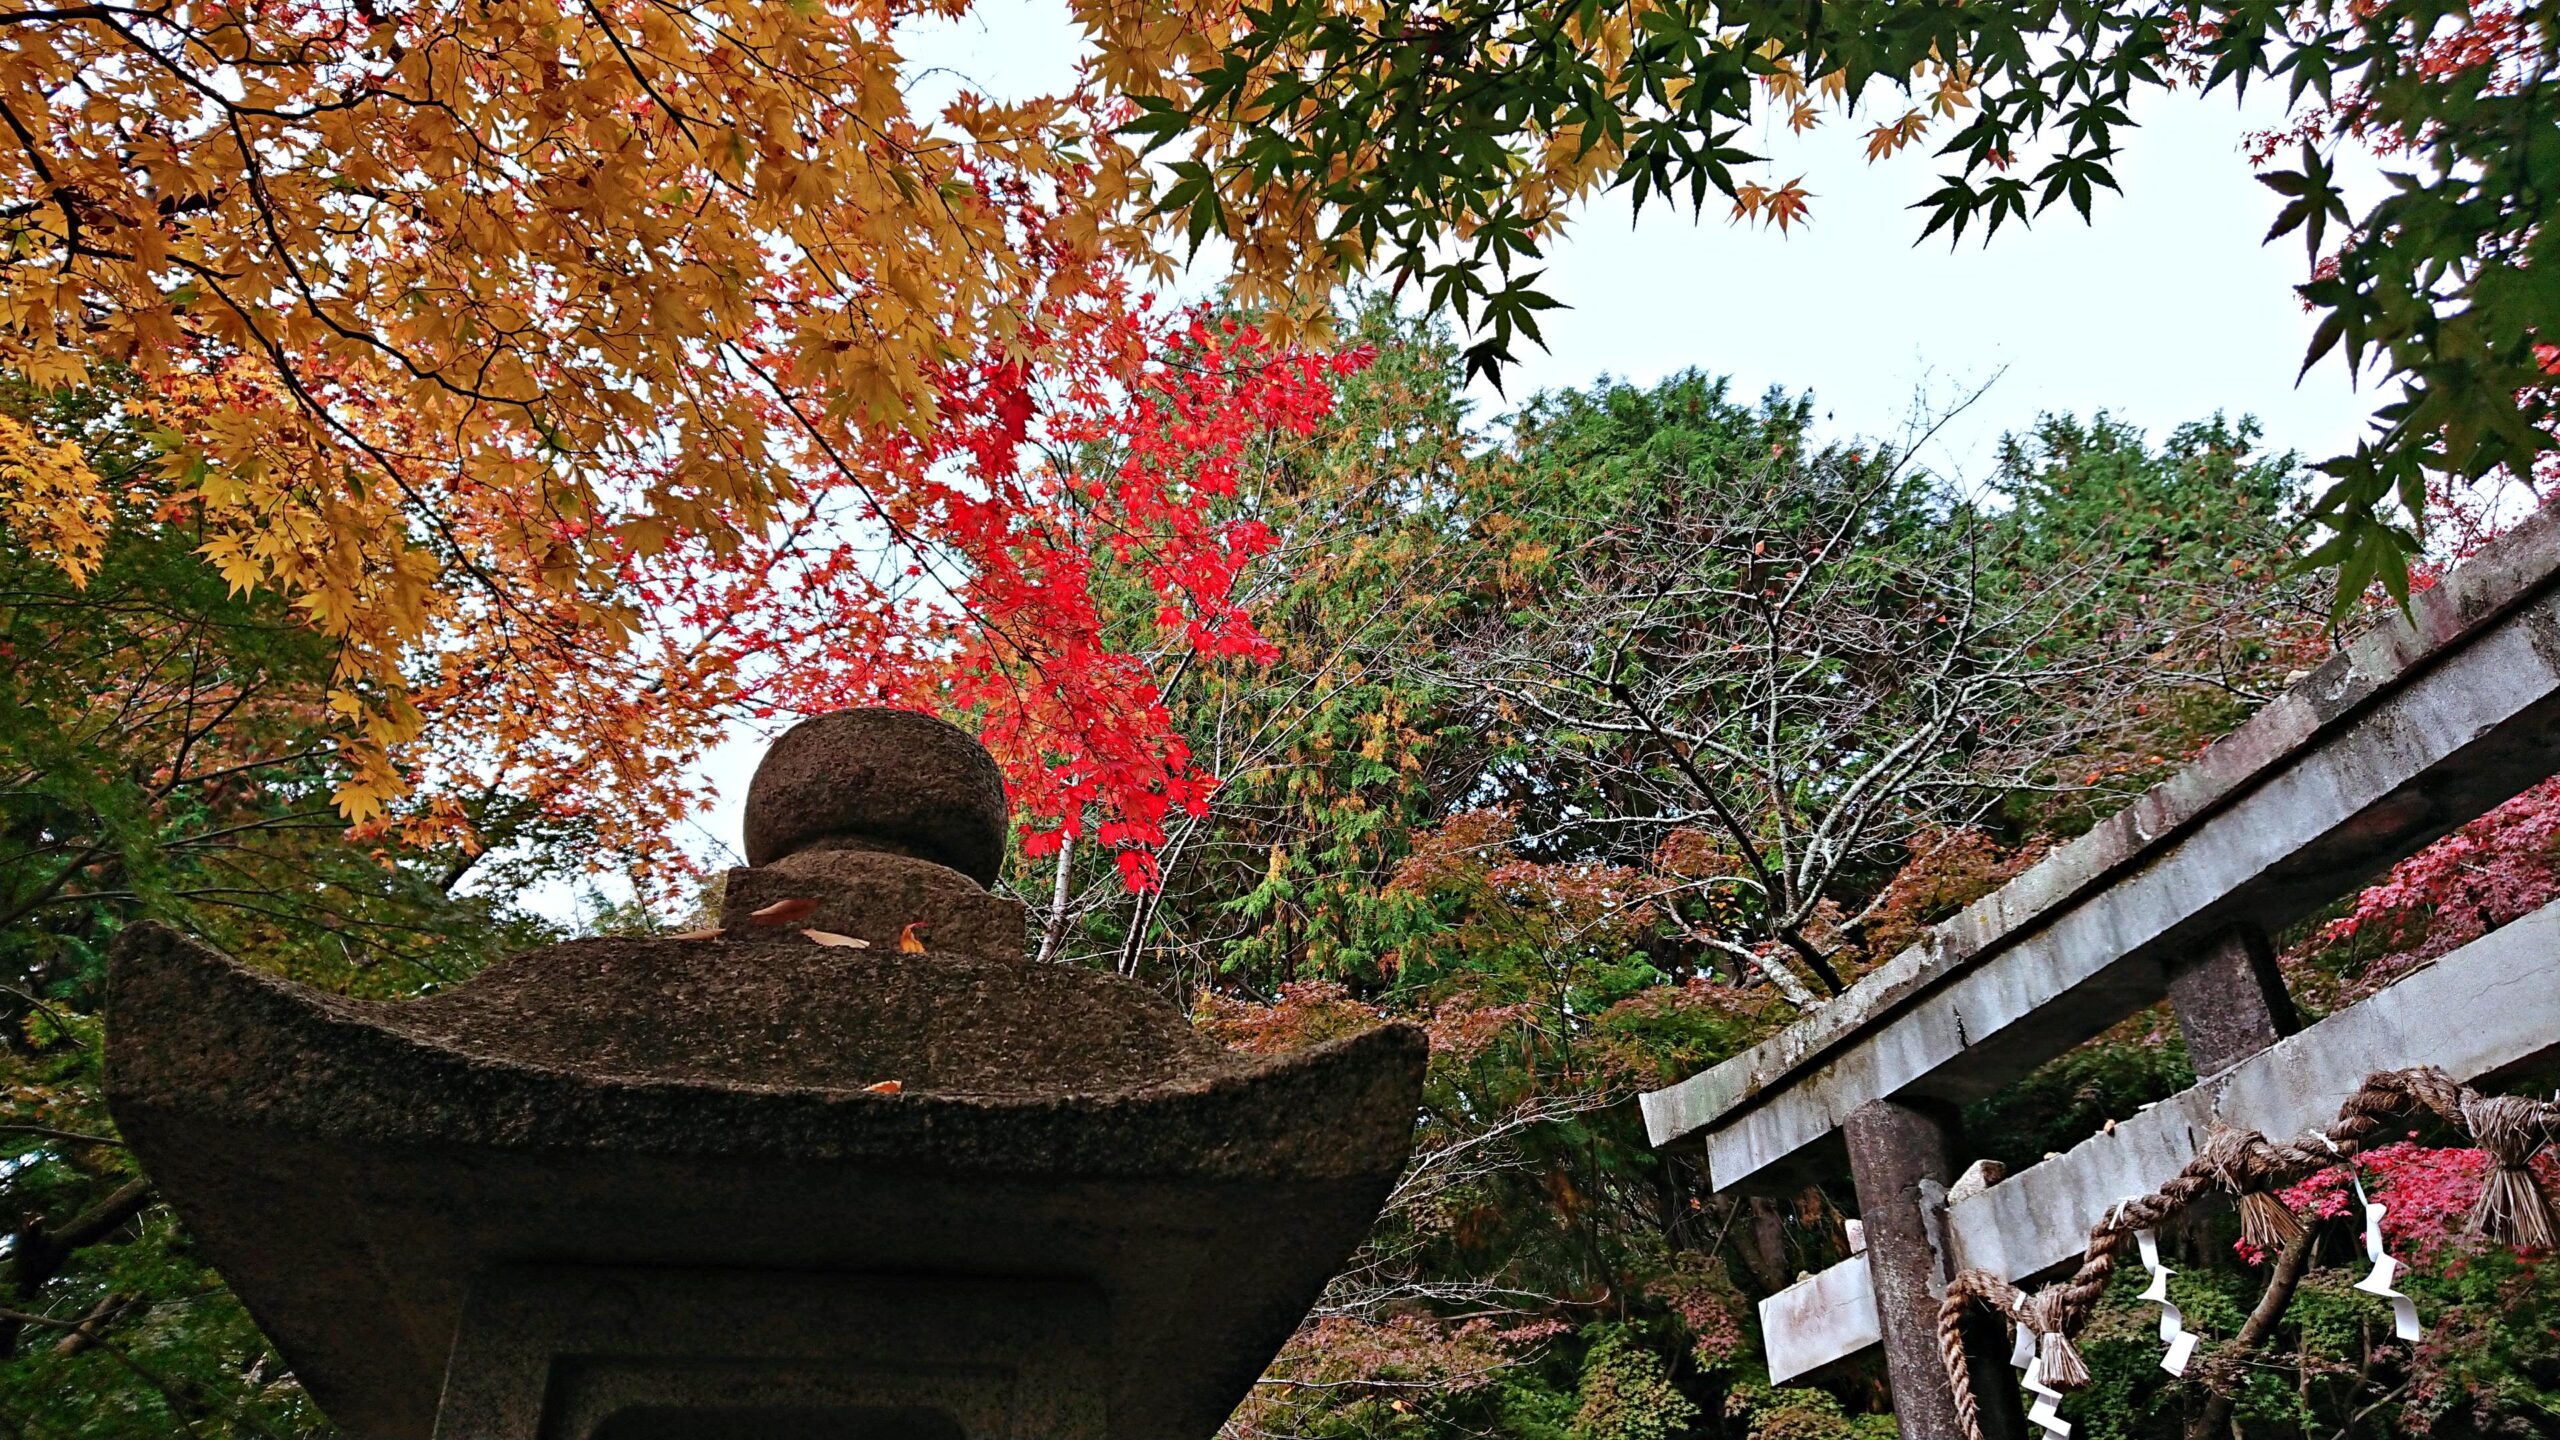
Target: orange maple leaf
<point>783,912</point>
<point>1886,139</point>
<point>1786,206</point>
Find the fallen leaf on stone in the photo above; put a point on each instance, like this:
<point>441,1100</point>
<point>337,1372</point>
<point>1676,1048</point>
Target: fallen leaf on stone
<point>842,942</point>
<point>908,944</point>
<point>713,933</point>
<point>783,912</point>
<point>886,1087</point>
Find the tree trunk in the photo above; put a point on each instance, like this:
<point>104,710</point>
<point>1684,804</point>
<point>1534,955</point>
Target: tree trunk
<point>39,1252</point>
<point>2214,1417</point>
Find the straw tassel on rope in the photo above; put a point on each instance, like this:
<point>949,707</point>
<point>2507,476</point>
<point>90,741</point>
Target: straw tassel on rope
<point>2050,1314</point>
<point>2245,1161</point>
<point>2512,1208</point>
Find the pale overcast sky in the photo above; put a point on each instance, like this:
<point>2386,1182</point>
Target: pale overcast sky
<point>2167,309</point>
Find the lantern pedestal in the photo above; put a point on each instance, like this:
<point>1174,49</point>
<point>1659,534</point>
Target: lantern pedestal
<point>760,1184</point>
<point>595,1353</point>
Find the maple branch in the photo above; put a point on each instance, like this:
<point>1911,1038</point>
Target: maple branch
<point>291,820</point>
<point>87,1330</point>
<point>206,777</point>
<point>500,596</point>
<point>61,195</point>
<point>2215,1414</point>
<point>44,894</point>
<point>68,1137</point>
<point>1787,932</point>
<point>1768,968</point>
<point>184,1404</point>
<point>614,38</point>
<point>905,535</point>
<point>73,12</point>
<point>265,207</point>
<point>37,1253</point>
<point>1913,444</point>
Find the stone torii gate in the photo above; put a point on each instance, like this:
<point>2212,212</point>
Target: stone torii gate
<point>2417,728</point>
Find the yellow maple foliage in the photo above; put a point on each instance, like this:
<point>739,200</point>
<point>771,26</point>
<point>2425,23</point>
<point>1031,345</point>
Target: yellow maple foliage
<point>444,314</point>
<point>449,317</point>
<point>52,498</point>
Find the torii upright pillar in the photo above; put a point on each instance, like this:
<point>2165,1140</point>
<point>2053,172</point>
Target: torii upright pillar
<point>1902,1158</point>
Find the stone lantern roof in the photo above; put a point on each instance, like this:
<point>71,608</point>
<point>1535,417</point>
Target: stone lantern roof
<point>698,1179</point>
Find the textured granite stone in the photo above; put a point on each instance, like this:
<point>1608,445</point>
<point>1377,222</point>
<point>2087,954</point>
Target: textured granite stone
<point>803,1357</point>
<point>887,780</point>
<point>1901,1158</point>
<point>2230,999</point>
<point>780,1011</point>
<point>350,1167</point>
<point>875,896</point>
<point>760,1125</point>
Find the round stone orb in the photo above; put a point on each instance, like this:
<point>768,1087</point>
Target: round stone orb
<point>887,779</point>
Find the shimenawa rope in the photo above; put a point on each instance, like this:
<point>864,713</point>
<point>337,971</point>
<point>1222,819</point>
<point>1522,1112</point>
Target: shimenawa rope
<point>2251,1167</point>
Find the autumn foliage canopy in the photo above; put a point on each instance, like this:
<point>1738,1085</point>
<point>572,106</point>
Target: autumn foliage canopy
<point>591,373</point>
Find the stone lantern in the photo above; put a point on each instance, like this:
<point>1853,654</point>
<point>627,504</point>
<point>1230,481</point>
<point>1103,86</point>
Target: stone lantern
<point>764,1186</point>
